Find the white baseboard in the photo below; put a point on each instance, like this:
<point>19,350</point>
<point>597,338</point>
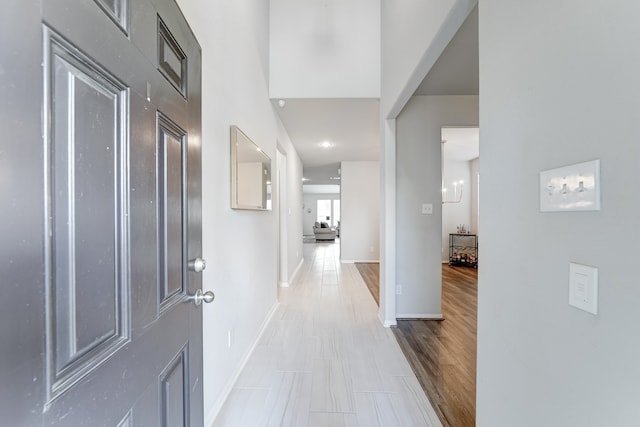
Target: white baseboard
<point>293,275</point>
<point>226,391</point>
<point>390,323</point>
<point>297,270</point>
<point>420,316</point>
<point>353,261</point>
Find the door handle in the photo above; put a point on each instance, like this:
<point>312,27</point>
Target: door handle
<point>197,265</point>
<point>199,297</point>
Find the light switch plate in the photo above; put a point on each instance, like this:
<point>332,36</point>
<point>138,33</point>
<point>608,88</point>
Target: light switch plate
<point>583,287</point>
<point>571,188</point>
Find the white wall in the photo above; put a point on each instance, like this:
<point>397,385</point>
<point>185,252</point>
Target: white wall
<point>418,176</point>
<point>360,211</point>
<point>240,246</point>
<point>327,49</point>
<point>291,211</point>
<point>559,85</point>
<point>294,213</point>
<point>310,203</point>
<point>455,214</point>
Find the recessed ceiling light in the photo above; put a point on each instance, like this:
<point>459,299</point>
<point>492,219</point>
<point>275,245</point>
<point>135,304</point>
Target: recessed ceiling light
<point>326,144</point>
<point>281,103</point>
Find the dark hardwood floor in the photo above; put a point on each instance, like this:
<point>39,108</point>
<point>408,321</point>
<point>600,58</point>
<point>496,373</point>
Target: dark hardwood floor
<point>370,273</point>
<point>443,353</point>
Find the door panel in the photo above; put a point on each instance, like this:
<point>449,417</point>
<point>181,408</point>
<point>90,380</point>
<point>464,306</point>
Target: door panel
<point>100,179</point>
<point>86,307</point>
<point>118,10</point>
<point>174,389</point>
<point>171,166</point>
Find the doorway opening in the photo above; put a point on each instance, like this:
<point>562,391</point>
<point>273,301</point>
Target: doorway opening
<point>460,163</point>
<point>321,204</point>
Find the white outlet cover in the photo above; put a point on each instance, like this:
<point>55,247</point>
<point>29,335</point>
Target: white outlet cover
<point>571,188</point>
<point>583,287</point>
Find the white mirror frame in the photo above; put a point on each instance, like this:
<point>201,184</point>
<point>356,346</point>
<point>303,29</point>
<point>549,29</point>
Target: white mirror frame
<point>250,174</point>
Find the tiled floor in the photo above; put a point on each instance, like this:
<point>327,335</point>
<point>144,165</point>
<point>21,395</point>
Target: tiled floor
<point>325,359</point>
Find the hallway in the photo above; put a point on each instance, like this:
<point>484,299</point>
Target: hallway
<point>325,359</point>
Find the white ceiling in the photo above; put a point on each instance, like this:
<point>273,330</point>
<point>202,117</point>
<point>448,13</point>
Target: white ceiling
<point>352,126</point>
<point>349,125</point>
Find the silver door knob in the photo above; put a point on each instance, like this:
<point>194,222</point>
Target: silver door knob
<point>199,297</point>
<point>197,265</point>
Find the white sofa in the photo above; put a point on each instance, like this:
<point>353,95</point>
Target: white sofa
<point>324,233</point>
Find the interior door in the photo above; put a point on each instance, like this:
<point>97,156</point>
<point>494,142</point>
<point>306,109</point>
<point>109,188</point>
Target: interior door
<point>100,177</point>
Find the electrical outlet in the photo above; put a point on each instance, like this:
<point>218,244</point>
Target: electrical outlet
<point>427,208</point>
<point>398,289</point>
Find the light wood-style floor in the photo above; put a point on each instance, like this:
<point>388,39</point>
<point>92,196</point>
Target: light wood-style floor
<point>326,360</point>
<point>443,353</point>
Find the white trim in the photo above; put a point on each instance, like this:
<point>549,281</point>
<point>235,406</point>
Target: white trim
<point>390,324</point>
<point>420,316</point>
<point>296,271</point>
<point>387,310</point>
<point>293,275</point>
<point>226,391</point>
<point>352,261</point>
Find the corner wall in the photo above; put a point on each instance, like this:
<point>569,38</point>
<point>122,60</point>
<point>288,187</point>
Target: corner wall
<point>559,85</point>
<point>360,212</point>
<point>418,181</point>
<point>294,201</point>
<point>414,34</point>
<point>409,48</point>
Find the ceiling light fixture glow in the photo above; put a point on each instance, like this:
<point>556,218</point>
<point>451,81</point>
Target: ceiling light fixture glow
<point>326,144</point>
<point>281,103</point>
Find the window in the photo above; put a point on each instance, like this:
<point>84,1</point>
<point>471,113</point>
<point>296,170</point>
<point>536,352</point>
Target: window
<point>324,211</point>
<point>328,211</point>
<point>336,213</point>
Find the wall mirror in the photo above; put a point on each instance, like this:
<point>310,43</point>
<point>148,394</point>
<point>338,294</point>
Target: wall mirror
<point>250,173</point>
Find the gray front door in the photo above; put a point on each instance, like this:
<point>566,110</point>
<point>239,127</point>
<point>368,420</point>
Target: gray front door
<point>100,180</point>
